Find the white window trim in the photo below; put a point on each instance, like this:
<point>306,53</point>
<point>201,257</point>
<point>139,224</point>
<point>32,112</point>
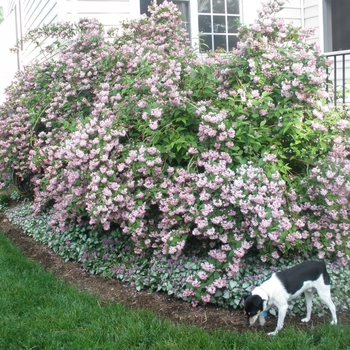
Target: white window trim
<point>134,9</point>
<point>194,24</point>
<point>325,28</point>
<point>325,22</point>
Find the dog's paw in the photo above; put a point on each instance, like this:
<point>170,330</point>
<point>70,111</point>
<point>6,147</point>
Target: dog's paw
<point>334,322</point>
<point>272,333</point>
<point>306,319</point>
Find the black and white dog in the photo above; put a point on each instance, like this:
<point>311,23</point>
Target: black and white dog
<point>281,287</point>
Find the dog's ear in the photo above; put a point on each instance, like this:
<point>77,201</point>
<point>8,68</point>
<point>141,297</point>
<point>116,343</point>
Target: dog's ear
<point>244,297</point>
<point>257,300</point>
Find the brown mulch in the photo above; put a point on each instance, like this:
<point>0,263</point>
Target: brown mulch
<point>208,316</point>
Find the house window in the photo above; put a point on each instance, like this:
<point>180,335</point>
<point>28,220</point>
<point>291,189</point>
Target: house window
<point>144,6</point>
<point>217,21</point>
<point>182,5</point>
<point>337,24</point>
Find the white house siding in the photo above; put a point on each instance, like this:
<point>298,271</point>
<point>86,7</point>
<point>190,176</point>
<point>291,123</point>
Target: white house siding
<point>291,11</point>
<point>24,15</point>
<point>8,61</point>
<point>9,5</point>
<point>36,13</point>
<point>249,10</point>
<point>312,14</point>
<point>109,12</point>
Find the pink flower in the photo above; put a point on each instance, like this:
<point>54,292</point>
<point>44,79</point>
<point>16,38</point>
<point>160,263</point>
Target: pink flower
<point>211,289</point>
<point>275,255</point>
<point>79,153</point>
<point>297,68</point>
<point>202,275</point>
<point>153,125</point>
<point>156,112</point>
<point>208,267</point>
<point>270,157</point>
<point>221,282</point>
<point>196,283</point>
<point>217,255</point>
<point>206,298</point>
<point>194,303</point>
<point>188,293</point>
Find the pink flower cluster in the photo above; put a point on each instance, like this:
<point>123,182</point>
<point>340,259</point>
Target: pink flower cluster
<point>279,62</point>
<point>328,196</point>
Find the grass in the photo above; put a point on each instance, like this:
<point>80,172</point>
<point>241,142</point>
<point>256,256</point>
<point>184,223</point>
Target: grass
<point>38,311</point>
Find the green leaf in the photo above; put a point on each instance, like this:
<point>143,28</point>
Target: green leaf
<point>233,284</point>
<point>227,295</point>
<point>246,285</point>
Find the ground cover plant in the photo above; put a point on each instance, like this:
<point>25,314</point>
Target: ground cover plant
<point>99,253</point>
<point>219,159</point>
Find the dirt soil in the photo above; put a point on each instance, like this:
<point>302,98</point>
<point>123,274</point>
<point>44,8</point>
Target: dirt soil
<point>166,307</point>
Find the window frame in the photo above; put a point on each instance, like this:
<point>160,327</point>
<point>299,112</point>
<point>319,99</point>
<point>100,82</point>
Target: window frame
<point>215,34</point>
<point>328,42</point>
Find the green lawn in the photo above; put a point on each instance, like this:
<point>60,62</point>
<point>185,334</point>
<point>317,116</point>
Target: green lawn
<point>38,311</point>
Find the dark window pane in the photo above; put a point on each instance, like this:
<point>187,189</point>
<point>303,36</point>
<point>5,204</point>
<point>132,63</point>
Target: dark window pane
<point>206,42</point>
<point>144,6</point>
<point>220,18</point>
<point>219,24</point>
<point>232,41</point>
<point>219,6</point>
<point>233,7</point>
<point>232,24</point>
<point>204,23</point>
<point>340,25</point>
<point>220,42</point>
<point>183,8</point>
<point>204,6</point>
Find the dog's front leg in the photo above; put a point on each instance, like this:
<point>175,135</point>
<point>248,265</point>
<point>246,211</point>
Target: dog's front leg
<point>282,311</point>
<point>262,320</point>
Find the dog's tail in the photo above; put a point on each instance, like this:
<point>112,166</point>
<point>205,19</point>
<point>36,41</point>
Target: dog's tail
<point>325,274</point>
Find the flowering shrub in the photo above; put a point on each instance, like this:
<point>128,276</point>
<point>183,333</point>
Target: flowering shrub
<point>220,157</point>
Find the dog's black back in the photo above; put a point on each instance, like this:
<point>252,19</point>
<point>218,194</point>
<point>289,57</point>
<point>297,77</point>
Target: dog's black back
<point>293,278</point>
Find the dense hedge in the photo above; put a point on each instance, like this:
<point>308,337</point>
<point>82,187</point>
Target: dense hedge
<point>224,156</point>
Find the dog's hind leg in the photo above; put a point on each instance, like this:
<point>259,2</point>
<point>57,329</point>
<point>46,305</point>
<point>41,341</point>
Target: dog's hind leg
<point>308,299</point>
<point>325,295</point>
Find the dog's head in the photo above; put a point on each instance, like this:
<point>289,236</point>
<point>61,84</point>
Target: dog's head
<point>253,306</point>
